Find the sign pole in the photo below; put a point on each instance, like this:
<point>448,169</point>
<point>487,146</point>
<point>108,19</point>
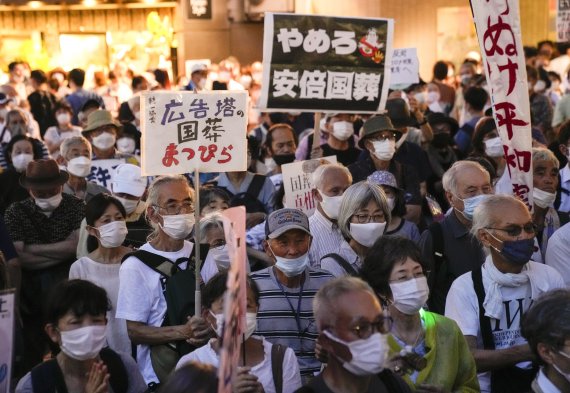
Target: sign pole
<point>317,133</point>
<point>198,294</point>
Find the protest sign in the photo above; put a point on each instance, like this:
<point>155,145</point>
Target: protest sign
<point>298,183</point>
<point>6,338</point>
<point>498,29</point>
<point>325,64</point>
<point>405,67</point>
<point>563,20</point>
<point>102,171</point>
<point>185,131</point>
<point>235,299</point>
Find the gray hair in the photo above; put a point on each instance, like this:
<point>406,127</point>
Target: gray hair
<point>212,220</point>
<point>73,141</point>
<point>542,154</point>
<point>449,179</point>
<point>325,302</point>
<point>357,197</point>
<point>488,211</point>
<point>319,174</point>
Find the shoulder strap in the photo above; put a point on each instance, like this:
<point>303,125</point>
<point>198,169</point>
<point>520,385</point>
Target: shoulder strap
<point>277,358</point>
<point>438,242</point>
<point>484,321</point>
<point>343,263</point>
<point>48,378</point>
<point>119,379</point>
<point>155,262</point>
<point>256,185</point>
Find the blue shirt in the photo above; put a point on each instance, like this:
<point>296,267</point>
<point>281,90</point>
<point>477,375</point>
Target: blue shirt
<point>78,98</point>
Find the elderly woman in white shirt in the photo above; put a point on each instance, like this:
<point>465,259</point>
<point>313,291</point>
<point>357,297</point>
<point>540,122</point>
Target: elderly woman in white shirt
<point>363,218</point>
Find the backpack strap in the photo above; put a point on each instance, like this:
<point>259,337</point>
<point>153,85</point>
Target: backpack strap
<point>438,245</point>
<point>484,321</point>
<point>156,262</point>
<point>48,378</point>
<point>343,263</point>
<point>277,358</point>
<point>256,185</point>
<point>119,379</point>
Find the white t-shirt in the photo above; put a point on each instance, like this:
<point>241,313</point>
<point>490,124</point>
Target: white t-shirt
<point>141,298</point>
<point>53,134</point>
<point>558,252</point>
<point>263,371</point>
<point>463,307</point>
<point>107,277</point>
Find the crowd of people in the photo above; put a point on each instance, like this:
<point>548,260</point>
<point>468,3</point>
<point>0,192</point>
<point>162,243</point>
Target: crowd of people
<point>417,271</point>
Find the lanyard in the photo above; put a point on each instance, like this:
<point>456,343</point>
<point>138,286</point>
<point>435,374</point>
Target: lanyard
<point>297,312</point>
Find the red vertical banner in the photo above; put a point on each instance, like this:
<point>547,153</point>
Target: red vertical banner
<point>235,300</point>
<point>499,33</point>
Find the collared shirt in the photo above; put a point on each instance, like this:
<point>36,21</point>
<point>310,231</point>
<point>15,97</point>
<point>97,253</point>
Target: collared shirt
<point>345,252</point>
<point>565,186</point>
<point>542,384</point>
<point>558,251</point>
<point>27,223</point>
<point>265,196</point>
<point>326,238</point>
<point>91,189</point>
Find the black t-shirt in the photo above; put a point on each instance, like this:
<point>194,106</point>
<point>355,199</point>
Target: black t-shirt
<point>345,157</point>
<point>378,384</point>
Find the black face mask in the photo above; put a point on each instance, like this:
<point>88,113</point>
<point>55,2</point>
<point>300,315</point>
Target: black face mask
<point>441,140</point>
<point>283,159</point>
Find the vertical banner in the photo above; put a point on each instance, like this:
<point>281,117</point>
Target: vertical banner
<point>563,20</point>
<point>183,131</point>
<point>7,319</point>
<point>235,299</point>
<point>499,32</point>
<point>317,63</point>
<point>298,183</point>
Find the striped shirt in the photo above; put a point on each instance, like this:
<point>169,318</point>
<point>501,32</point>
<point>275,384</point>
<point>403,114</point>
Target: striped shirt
<point>326,238</point>
<point>285,314</point>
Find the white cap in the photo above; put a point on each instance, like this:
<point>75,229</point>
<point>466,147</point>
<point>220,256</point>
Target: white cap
<point>198,67</point>
<point>127,179</point>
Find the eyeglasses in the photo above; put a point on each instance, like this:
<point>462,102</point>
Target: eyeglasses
<point>365,329</point>
<point>384,137</point>
<point>218,244</point>
<point>365,218</point>
<point>175,208</point>
<point>516,230</point>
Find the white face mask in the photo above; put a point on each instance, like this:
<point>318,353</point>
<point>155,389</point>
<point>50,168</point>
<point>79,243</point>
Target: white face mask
<point>104,141</point>
<point>342,130</point>
<point>113,234</point>
<point>409,296</point>
<point>384,150</point>
<point>83,343</point>
<point>202,83</point>
<point>494,147</point>
<point>291,267</point>
<point>79,166</point>
<point>432,97</point>
<point>21,161</point>
<point>367,234</point>
<point>421,97</point>
<point>367,355</point>
<point>126,145</point>
<point>221,256</point>
<point>331,205</point>
<point>251,324</point>
<point>63,118</point>
<point>129,205</point>
<point>391,203</point>
<point>178,226</point>
<point>49,204</point>
<point>542,198</point>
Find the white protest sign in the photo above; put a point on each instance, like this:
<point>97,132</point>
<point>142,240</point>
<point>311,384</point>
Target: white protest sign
<point>405,67</point>
<point>102,171</point>
<point>499,32</point>
<point>298,184</point>
<point>6,338</point>
<point>563,20</point>
<point>235,299</point>
<point>183,131</point>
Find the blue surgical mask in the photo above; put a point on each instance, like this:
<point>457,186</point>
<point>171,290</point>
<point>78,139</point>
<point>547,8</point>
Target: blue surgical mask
<point>470,204</point>
<point>517,251</point>
<point>291,267</point>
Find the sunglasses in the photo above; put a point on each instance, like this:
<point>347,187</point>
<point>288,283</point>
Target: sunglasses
<point>516,230</point>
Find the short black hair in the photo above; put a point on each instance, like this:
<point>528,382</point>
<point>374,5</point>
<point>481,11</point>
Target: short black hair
<point>548,321</point>
<point>62,104</point>
<point>485,125</point>
<point>476,97</point>
<point>90,104</point>
<point>36,147</point>
<point>79,297</point>
<point>94,209</point>
<point>137,80</point>
<point>269,136</point>
<point>564,133</point>
<point>39,76</point>
<point>12,65</point>
<point>77,76</point>
<point>217,286</point>
<point>440,70</point>
<point>530,51</point>
<point>209,193</point>
<point>192,377</point>
<point>383,256</point>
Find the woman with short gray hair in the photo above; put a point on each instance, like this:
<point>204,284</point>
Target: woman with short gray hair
<point>363,218</point>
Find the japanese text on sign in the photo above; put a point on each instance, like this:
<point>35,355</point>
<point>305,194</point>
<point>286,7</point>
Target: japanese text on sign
<point>498,30</point>
<point>298,185</point>
<point>563,21</point>
<point>342,67</point>
<point>7,319</point>
<point>405,67</point>
<point>183,131</point>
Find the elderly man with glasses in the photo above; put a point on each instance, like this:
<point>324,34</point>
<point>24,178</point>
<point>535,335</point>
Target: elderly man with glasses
<point>488,303</point>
